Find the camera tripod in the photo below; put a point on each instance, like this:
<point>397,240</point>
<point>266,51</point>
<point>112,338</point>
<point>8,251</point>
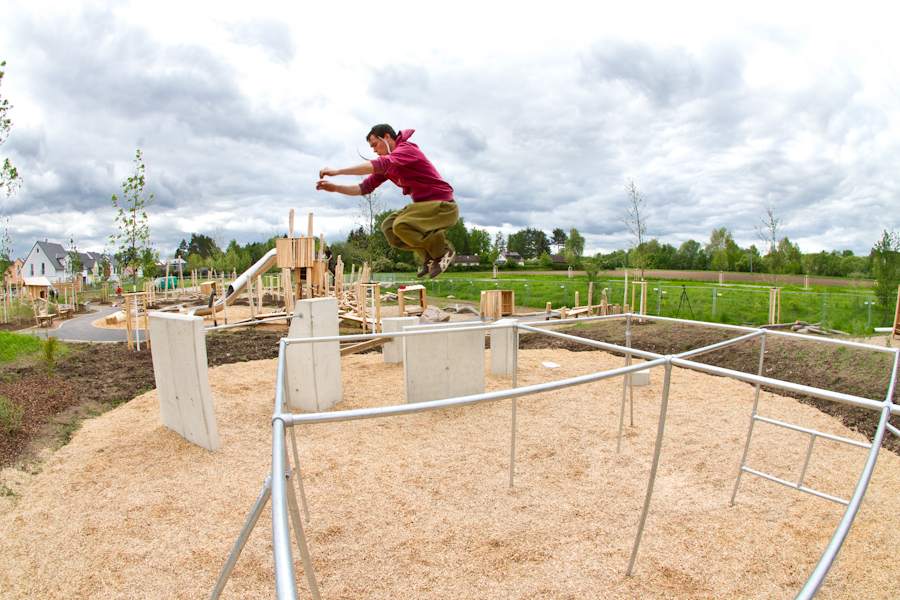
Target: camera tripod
<point>685,301</point>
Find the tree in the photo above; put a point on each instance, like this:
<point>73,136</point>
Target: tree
<point>546,261</point>
<point>717,249</point>
<point>768,235</point>
<point>686,256</point>
<point>182,251</point>
<point>636,221</point>
<point>9,177</point>
<point>479,241</point>
<point>9,182</point>
<point>458,237</point>
<point>885,258</point>
<point>575,244</point>
<point>370,206</point>
<point>134,227</point>
<point>74,264</point>
<point>500,242</point>
<point>558,239</point>
<point>529,243</point>
<point>202,245</point>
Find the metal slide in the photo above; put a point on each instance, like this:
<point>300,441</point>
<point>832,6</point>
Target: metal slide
<point>238,285</point>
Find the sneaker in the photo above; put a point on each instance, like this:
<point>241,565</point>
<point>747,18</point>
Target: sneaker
<point>439,265</point>
<point>425,268</point>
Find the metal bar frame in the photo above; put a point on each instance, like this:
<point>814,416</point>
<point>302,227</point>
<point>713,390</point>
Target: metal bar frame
<point>284,499</point>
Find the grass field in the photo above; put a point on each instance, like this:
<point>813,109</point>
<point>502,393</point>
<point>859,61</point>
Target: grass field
<point>853,310</point>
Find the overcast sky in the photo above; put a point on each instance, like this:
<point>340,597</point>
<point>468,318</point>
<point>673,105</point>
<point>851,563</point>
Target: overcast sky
<point>537,118</point>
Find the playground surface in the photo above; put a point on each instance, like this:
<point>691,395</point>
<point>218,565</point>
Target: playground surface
<point>419,506</point>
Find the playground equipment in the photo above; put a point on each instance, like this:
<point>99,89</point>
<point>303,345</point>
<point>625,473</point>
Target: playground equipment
<point>279,485</point>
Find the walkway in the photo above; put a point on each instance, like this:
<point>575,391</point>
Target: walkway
<point>81,328</point>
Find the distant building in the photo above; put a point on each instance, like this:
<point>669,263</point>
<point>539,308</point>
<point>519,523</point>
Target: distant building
<point>50,260</point>
<point>466,260</point>
<point>507,256</point>
<point>14,273</point>
<point>558,259</point>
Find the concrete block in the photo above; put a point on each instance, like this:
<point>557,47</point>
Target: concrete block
<point>313,371</point>
<point>641,377</point>
<point>502,347</point>
<point>182,378</point>
<point>392,352</point>
<point>443,365</point>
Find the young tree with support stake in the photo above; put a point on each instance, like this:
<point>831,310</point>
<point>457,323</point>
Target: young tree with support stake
<point>636,222</point>
<point>9,182</point>
<point>133,239</point>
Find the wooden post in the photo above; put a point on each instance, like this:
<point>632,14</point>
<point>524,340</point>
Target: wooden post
<point>547,318</point>
<point>577,300</point>
<point>591,299</point>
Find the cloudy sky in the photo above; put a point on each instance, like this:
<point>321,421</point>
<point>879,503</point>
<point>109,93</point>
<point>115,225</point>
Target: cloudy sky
<point>537,118</point>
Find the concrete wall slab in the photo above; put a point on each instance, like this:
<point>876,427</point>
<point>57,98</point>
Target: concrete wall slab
<point>313,371</point>
<point>182,378</point>
<point>444,365</point>
<point>502,349</point>
<point>392,352</point>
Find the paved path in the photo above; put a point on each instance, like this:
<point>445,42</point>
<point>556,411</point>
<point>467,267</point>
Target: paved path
<point>80,329</point>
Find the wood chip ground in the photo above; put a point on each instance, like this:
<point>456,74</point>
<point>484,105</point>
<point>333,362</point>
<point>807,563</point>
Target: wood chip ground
<point>420,506</point>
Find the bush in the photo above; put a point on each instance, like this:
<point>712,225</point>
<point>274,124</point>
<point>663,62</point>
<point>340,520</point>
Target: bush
<point>511,265</point>
<point>51,346</point>
<point>382,265</point>
<point>10,415</point>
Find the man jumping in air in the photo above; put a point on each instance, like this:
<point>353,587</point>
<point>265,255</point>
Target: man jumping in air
<point>420,226</point>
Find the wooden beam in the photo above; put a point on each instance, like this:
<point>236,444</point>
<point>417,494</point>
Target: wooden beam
<point>348,350</point>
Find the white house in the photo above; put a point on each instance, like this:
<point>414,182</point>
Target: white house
<point>50,260</point>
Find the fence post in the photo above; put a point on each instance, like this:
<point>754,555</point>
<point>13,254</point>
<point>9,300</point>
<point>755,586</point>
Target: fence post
<point>566,294</point>
<point>527,293</point>
<point>824,306</point>
<point>714,299</point>
<point>869,322</point>
<point>658,299</point>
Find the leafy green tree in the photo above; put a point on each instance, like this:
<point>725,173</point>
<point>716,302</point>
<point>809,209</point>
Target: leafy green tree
<point>529,243</point>
<point>559,238</point>
<point>575,243</point>
<point>10,181</point>
<point>182,251</point>
<point>546,261</point>
<point>459,237</point>
<point>885,257</point>
<point>636,221</point>
<point>202,245</point>
<point>74,264</point>
<point>479,241</point>
<point>134,226</point>
<point>686,257</point>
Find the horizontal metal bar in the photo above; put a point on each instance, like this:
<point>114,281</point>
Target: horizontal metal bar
<point>701,323</point>
<point>375,336</point>
<point>781,385</point>
<point>587,342</point>
<point>249,323</point>
<point>796,487</point>
<point>893,429</point>
<point>813,432</point>
<point>404,409</point>
<point>720,345</point>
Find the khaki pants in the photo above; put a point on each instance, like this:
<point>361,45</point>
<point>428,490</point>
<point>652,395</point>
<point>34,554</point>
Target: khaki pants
<point>420,227</point>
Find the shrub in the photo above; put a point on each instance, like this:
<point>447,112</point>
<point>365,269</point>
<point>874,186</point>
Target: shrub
<point>51,347</point>
<point>10,415</point>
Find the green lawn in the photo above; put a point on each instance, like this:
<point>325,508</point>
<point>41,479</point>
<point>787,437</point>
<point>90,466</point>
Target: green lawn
<point>14,345</point>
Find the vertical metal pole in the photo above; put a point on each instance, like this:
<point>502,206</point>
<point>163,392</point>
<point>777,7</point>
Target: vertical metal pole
<point>242,539</point>
<point>566,294</point>
<point>824,307</point>
<point>299,476</point>
<point>512,442</point>
<point>658,300</point>
<point>659,438</point>
<point>812,442</point>
<point>285,583</point>
<point>762,357</point>
<point>301,536</point>
<point>527,294</point>
<point>626,383</point>
<point>714,303</point>
<point>869,322</point>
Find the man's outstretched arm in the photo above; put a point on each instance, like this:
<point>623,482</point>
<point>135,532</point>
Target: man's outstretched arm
<point>351,189</point>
